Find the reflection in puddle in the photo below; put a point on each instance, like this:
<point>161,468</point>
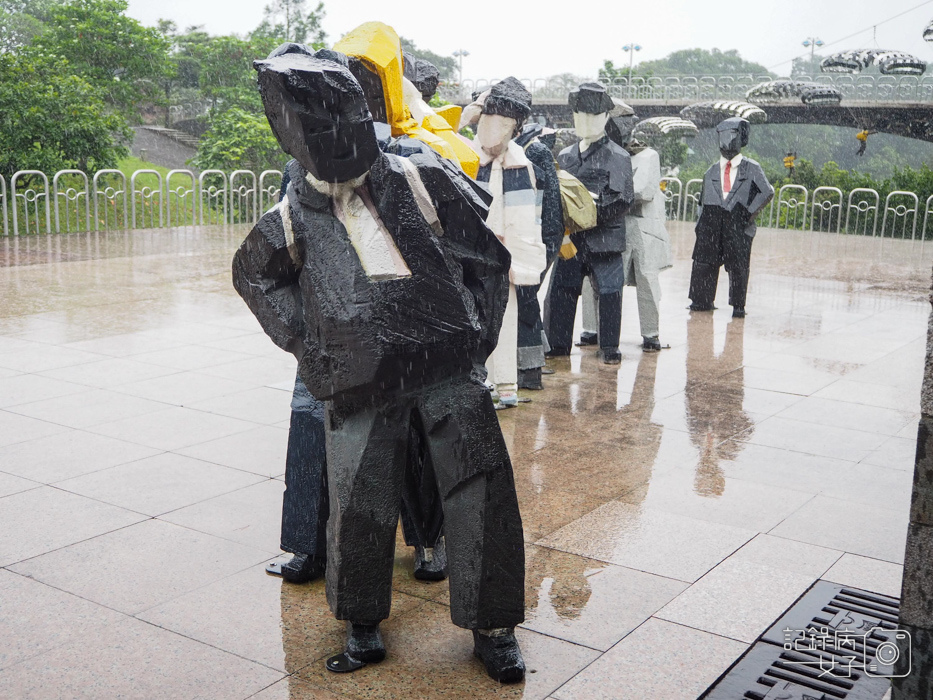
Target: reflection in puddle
<point>714,396</point>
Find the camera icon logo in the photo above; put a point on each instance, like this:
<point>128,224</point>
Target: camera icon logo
<point>894,651</point>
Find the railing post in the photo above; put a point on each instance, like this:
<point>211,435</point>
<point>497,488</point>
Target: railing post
<point>26,201</point>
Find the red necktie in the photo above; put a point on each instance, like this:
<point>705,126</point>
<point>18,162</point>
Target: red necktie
<point>726,182</point>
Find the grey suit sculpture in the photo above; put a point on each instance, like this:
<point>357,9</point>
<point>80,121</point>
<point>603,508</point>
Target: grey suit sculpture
<point>734,191</point>
<point>380,275</point>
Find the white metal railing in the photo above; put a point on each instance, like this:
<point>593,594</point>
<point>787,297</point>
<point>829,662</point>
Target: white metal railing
<point>72,202</point>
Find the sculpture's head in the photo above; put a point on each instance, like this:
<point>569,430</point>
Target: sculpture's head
<point>733,136</point>
<point>621,124</point>
<point>422,74</point>
<point>590,104</point>
<point>505,109</point>
<point>318,113</point>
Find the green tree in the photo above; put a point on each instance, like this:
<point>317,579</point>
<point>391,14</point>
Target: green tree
<point>610,72</point>
<point>701,62</point>
<point>21,21</point>
<point>239,139</point>
<point>53,120</point>
<point>446,65</point>
<point>113,52</point>
<point>290,20</point>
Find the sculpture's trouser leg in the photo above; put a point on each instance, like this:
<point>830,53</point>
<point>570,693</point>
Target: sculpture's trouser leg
<point>647,284</point>
<point>530,328</point>
<point>422,515</point>
<point>703,280</point>
<point>737,253</point>
<point>366,450</point>
<point>590,307</point>
<point>608,275</point>
<point>566,283</point>
<point>305,503</point>
<point>501,364</point>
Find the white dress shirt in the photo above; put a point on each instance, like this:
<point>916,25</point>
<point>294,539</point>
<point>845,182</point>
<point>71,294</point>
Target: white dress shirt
<point>732,173</point>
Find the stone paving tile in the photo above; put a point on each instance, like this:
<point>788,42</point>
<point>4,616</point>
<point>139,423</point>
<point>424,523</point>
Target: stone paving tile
<point>656,542</point>
<point>430,658</point>
<point>68,454</point>
<point>172,428</point>
<point>744,594</point>
<point>130,658</point>
<point>896,452</point>
<point>851,527</point>
<point>15,428</point>
<point>293,688</point>
<point>138,567</point>
<point>10,484</point>
<point>281,625</point>
<point>25,388</point>
<point>842,414</point>
<point>260,450</point>
<point>45,519</point>
<point>260,405</point>
<point>250,515</point>
<point>44,357</point>
<point>89,408</point>
<point>108,373</point>
<point>704,494</point>
<point>181,388</point>
<point>589,602</point>
<point>810,438</point>
<point>159,484</point>
<point>881,395</point>
<point>36,618</point>
<point>869,574</point>
<point>658,660</point>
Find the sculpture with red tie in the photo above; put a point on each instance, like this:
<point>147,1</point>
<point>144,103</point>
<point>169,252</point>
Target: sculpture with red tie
<point>734,191</point>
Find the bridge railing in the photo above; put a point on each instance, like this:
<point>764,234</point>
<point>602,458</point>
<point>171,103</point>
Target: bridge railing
<point>697,88</point>
<point>859,212</point>
<point>73,201</point>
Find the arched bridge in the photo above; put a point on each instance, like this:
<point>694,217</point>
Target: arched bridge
<point>899,105</point>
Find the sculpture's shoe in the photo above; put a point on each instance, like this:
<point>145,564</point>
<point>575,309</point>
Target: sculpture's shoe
<point>364,646</point>
<point>610,356</point>
<point>738,312</point>
<point>558,352</point>
<point>588,338</point>
<point>431,562</point>
<point>499,652</point>
<point>507,399</point>
<point>530,379</point>
<point>701,307</point>
<point>651,344</point>
<point>301,568</point>
<point>547,370</point>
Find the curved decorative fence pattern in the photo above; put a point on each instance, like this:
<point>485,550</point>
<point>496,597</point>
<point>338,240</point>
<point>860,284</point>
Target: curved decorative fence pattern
<point>72,202</point>
<point>862,88</point>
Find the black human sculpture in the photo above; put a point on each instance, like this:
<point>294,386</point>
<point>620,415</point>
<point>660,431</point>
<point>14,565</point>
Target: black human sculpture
<point>305,505</point>
<point>734,191</point>
<point>606,170</point>
<point>380,275</point>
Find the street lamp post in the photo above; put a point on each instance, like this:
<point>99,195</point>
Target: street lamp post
<point>812,42</point>
<point>460,53</point>
<point>631,48</point>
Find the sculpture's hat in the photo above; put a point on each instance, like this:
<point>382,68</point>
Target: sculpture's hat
<point>509,98</point>
<point>590,98</point>
<point>422,74</point>
<point>738,124</point>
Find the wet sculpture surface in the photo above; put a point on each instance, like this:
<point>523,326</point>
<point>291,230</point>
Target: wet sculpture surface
<point>647,244</point>
<point>514,216</point>
<point>380,275</point>
<point>734,191</point>
<point>606,170</point>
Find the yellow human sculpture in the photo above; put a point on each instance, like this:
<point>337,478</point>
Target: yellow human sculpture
<point>378,47</point>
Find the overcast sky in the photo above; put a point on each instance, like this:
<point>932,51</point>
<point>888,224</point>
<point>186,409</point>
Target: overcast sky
<point>535,40</point>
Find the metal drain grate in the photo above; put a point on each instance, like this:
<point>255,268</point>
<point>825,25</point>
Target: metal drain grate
<point>832,643</point>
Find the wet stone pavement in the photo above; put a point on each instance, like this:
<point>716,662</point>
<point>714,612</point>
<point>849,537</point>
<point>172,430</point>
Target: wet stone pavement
<point>673,506</point>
